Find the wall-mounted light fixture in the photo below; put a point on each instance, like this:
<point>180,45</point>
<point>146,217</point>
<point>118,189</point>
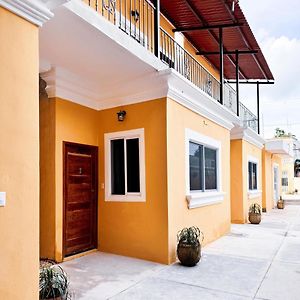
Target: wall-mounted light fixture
<point>121,115</point>
<point>135,14</point>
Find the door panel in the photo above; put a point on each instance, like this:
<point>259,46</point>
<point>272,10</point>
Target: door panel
<point>80,198</point>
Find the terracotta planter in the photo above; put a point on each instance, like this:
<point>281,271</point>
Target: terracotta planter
<point>280,204</point>
<point>254,218</point>
<point>189,255</point>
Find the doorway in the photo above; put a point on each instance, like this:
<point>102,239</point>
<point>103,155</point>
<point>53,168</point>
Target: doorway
<point>80,198</point>
<point>276,184</point>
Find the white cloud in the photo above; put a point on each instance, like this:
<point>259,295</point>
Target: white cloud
<point>273,26</point>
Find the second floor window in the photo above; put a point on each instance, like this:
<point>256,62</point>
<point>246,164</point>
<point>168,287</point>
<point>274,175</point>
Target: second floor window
<point>203,167</point>
<point>252,175</point>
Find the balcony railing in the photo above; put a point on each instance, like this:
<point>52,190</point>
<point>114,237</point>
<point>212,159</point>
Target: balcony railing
<point>136,18</point>
<point>249,119</point>
<point>179,59</point>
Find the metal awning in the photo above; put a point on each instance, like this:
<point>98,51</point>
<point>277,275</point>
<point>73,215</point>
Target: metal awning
<point>188,15</point>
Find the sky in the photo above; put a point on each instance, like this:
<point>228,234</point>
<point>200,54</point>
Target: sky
<point>276,26</point>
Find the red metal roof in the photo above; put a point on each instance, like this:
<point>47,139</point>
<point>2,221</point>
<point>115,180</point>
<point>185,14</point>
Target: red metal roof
<point>191,13</point>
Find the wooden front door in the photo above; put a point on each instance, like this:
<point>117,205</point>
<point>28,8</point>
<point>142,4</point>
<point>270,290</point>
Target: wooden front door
<point>80,198</point>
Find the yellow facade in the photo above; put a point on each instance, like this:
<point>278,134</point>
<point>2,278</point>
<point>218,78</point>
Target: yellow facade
<point>19,153</point>
<point>213,220</point>
<point>241,152</point>
<point>132,229</point>
<point>123,227</point>
<point>268,194</point>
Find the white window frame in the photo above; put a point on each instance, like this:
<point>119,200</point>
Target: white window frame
<point>254,193</point>
<point>276,166</point>
<point>203,198</point>
<point>128,197</point>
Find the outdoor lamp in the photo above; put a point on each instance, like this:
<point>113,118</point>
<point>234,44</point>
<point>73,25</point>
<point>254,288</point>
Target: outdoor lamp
<point>121,115</point>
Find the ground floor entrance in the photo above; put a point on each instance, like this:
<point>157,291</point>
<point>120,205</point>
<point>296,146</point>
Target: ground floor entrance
<point>80,198</point>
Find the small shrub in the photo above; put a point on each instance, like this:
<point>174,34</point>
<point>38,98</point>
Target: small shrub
<point>190,236</point>
<point>53,283</point>
<point>255,209</point>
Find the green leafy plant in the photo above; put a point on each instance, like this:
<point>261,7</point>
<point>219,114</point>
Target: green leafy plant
<point>53,283</point>
<point>255,209</point>
<point>190,236</point>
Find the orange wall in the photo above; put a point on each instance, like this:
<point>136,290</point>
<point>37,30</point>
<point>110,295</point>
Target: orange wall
<point>268,179</point>
<point>240,198</point>
<point>124,228</point>
<point>47,178</point>
<point>60,121</point>
<point>19,153</point>
<point>213,220</point>
<point>138,229</point>
<point>250,149</point>
<point>237,178</point>
<point>267,191</point>
<point>74,123</point>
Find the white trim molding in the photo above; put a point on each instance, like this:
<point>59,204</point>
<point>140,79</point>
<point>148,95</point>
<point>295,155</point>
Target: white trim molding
<point>35,11</point>
<point>254,193</point>
<point>204,199</point>
<point>198,198</point>
<point>187,94</point>
<point>128,197</point>
<point>247,134</point>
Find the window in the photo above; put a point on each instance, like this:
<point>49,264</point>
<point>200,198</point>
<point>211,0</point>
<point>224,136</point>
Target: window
<point>284,181</point>
<point>203,172</point>
<point>252,175</point>
<point>125,166</point>
<point>203,161</point>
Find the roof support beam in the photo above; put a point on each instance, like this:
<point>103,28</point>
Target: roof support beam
<point>196,28</point>
<point>211,32</point>
<point>237,77</point>
<point>243,52</point>
<point>258,109</point>
<point>156,27</point>
<point>251,82</point>
<point>221,64</point>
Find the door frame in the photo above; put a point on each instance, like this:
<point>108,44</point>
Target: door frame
<point>95,198</point>
<point>275,192</point>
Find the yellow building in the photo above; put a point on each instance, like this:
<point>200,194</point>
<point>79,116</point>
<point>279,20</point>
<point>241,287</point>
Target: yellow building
<point>136,135</point>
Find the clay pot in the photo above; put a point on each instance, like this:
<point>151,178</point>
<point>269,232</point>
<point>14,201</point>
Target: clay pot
<point>189,255</point>
<point>254,218</point>
<point>280,204</point>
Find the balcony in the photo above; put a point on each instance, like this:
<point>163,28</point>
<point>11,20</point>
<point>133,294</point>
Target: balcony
<point>136,18</point>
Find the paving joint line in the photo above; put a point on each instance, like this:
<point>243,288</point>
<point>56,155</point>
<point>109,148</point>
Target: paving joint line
<point>273,258</point>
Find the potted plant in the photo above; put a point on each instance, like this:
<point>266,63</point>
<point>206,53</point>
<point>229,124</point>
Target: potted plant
<point>54,283</point>
<point>280,203</point>
<point>255,213</point>
<point>189,246</point>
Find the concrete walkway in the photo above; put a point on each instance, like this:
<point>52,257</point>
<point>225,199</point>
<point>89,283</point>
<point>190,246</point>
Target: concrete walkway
<point>252,262</point>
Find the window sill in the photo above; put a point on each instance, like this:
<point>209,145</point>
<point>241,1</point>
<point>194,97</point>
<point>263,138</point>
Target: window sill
<point>254,194</point>
<point>204,199</point>
<point>125,198</point>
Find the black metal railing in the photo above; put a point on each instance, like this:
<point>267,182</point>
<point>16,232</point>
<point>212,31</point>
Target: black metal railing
<point>137,19</point>
<point>134,17</point>
<point>184,63</point>
<point>248,118</point>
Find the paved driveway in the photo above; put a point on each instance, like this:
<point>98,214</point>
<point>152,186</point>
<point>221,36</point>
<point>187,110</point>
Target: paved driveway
<point>252,262</point>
